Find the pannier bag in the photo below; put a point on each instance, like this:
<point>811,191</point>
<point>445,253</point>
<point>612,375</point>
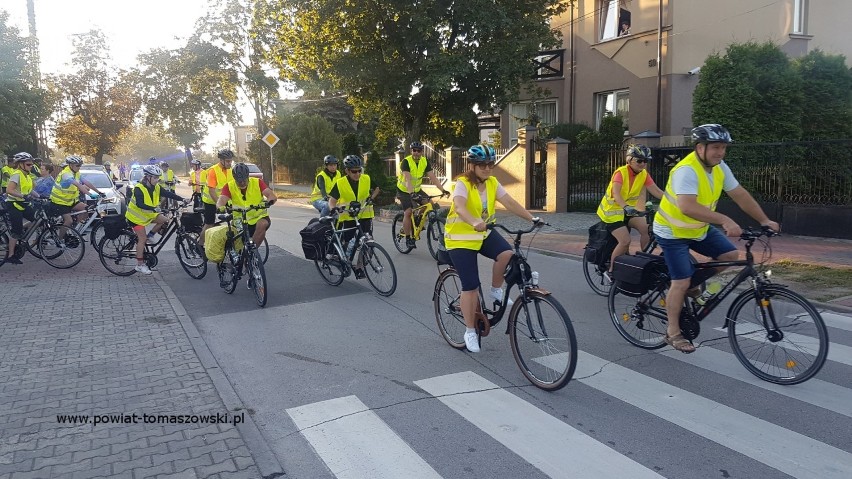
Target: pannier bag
<point>192,222</point>
<point>315,238</point>
<point>215,239</point>
<point>635,275</point>
<point>600,245</point>
<point>113,226</point>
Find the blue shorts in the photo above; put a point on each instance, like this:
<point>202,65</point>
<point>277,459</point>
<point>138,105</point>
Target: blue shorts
<point>464,260</point>
<point>678,259</point>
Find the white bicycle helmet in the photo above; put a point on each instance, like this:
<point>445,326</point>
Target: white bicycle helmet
<point>152,170</point>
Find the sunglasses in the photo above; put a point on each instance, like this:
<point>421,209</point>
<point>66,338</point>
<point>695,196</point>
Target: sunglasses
<point>28,165</point>
<point>417,149</point>
<point>488,165</point>
<point>357,172</point>
<point>640,160</point>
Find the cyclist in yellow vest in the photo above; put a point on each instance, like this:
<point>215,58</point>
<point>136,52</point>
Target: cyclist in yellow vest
<point>474,197</point>
<point>355,185</point>
<point>218,176</point>
<point>626,193</point>
<point>65,196</point>
<point>19,188</point>
<point>412,169</point>
<point>686,212</point>
<point>197,179</point>
<point>142,211</point>
<point>323,183</point>
<point>243,192</point>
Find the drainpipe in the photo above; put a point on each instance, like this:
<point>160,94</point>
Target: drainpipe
<point>571,93</point>
<point>659,63</point>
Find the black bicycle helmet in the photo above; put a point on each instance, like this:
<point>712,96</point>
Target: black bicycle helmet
<point>164,165</point>
<point>225,154</point>
<point>481,154</point>
<point>330,160</point>
<point>240,172</point>
<point>195,162</point>
<point>416,145</point>
<point>353,161</point>
<point>639,151</point>
<point>711,133</point>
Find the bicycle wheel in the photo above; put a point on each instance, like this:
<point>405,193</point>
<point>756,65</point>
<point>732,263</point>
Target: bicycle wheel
<point>191,256</point>
<point>595,277</point>
<point>61,253</point>
<point>4,243</point>
<point>227,271</point>
<point>435,236</point>
<point>31,244</point>
<point>398,234</point>
<point>793,353</point>
<point>379,268</point>
<point>263,250</point>
<point>96,234</point>
<point>118,255</point>
<point>641,321</point>
<point>448,313</point>
<point>543,341</point>
<point>257,278</point>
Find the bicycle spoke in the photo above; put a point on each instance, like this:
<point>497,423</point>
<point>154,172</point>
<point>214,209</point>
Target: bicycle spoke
<point>543,342</point>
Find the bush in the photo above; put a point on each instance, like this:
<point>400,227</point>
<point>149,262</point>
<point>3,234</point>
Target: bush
<point>566,131</point>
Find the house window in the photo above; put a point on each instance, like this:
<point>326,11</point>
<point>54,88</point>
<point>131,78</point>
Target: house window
<point>799,9</point>
<point>249,137</point>
<point>612,103</point>
<point>520,113</point>
<point>614,21</point>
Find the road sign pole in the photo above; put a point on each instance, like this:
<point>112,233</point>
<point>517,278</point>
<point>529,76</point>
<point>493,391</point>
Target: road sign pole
<point>272,164</point>
<point>271,139</point>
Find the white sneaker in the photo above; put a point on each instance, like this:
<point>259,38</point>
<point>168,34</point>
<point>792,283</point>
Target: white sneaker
<point>497,295</point>
<point>143,268</point>
<point>471,341</point>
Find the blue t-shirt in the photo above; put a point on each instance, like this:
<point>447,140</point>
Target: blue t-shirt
<point>44,186</point>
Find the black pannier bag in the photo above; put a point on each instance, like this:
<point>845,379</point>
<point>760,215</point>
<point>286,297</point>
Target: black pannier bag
<point>600,245</point>
<point>192,222</point>
<point>315,238</point>
<point>635,275</point>
<point>113,226</point>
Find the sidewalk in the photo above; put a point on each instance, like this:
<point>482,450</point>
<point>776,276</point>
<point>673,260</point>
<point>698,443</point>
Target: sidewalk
<point>84,342</point>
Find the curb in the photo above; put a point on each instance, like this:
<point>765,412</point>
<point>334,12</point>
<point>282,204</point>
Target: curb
<point>266,461</point>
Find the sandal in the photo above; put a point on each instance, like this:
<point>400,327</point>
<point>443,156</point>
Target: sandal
<point>680,343</point>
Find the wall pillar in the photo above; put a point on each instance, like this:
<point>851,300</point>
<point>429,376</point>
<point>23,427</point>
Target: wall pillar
<point>557,175</point>
<point>453,162</point>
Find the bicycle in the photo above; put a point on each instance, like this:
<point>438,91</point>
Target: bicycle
<point>57,245</point>
<point>240,252</point>
<point>763,322</point>
<point>117,248</point>
<point>93,225</point>
<point>337,262</point>
<point>596,263</point>
<point>549,358</point>
<point>425,215</point>
<point>169,203</point>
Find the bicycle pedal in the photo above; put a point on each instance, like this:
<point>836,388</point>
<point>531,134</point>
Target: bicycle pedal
<point>482,324</point>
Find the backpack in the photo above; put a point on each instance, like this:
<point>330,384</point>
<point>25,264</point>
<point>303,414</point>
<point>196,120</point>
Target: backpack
<point>315,238</point>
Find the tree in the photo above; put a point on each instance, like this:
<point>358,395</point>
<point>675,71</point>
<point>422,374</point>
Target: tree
<point>188,88</point>
<point>419,68</point>
<point>22,103</point>
<point>827,103</point>
<point>305,140</point>
<point>98,104</point>
<point>143,142</point>
<point>752,90</point>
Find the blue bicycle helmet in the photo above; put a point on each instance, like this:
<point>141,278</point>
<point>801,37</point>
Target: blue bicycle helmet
<point>353,161</point>
<point>481,154</point>
<point>329,160</point>
<point>416,145</point>
<point>639,151</point>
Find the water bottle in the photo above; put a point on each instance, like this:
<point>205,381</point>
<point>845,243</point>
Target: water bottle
<point>350,248</point>
<point>534,278</point>
<point>709,291</point>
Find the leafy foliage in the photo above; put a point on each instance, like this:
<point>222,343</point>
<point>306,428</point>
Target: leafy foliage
<point>566,131</point>
<point>143,142</point>
<point>827,103</point>
<point>611,133</point>
<point>417,68</point>
<point>305,140</point>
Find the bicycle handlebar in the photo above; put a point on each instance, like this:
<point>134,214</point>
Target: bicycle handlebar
<point>750,234</point>
<point>537,223</point>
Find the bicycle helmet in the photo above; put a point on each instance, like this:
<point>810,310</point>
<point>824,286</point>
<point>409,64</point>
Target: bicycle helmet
<point>711,133</point>
<point>240,172</point>
<point>639,151</point>
<point>353,161</point>
<point>73,160</point>
<point>416,145</point>
<point>152,170</point>
<point>481,154</point>
<point>107,164</point>
<point>195,162</point>
<point>164,165</point>
<point>225,154</point>
<point>329,160</point>
<point>153,161</point>
<point>22,156</point>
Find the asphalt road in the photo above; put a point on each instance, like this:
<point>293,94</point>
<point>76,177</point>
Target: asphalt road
<point>345,383</point>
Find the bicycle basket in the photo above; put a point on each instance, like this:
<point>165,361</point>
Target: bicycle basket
<point>635,275</point>
<point>192,222</point>
<point>113,226</point>
<point>315,239</point>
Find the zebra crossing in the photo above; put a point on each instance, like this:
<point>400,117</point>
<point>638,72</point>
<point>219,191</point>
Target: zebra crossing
<point>355,442</point>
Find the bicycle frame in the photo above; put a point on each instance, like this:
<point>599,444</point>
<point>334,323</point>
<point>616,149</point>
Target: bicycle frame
<point>425,211</point>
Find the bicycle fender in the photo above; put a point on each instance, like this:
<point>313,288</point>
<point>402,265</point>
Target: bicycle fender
<point>540,291</point>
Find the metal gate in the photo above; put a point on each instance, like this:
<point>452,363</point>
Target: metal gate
<point>539,180</point>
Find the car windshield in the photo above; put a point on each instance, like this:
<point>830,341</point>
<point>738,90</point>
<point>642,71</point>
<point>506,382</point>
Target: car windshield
<point>253,168</point>
<point>97,178</point>
<point>136,175</point>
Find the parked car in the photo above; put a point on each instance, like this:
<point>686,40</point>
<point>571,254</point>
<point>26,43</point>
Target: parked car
<point>102,181</point>
<point>92,166</point>
<point>254,171</point>
<point>135,176</point>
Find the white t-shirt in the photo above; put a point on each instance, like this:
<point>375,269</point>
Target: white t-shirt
<point>685,182</point>
<point>460,190</point>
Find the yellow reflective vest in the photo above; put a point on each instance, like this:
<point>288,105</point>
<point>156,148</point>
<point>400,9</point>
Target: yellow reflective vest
<point>137,215</point>
<point>6,172</point>
<point>65,196</point>
<point>223,177</point>
<point>25,186</point>
<point>670,215</point>
<point>417,171</point>
<point>252,197</point>
<point>460,234</point>
<point>329,182</point>
<point>347,195</point>
<point>609,211</point>
<point>195,178</point>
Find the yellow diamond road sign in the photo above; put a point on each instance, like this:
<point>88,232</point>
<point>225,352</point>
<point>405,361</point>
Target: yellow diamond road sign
<point>270,138</point>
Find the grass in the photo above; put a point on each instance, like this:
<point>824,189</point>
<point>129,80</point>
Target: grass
<point>824,283</point>
<point>291,194</point>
